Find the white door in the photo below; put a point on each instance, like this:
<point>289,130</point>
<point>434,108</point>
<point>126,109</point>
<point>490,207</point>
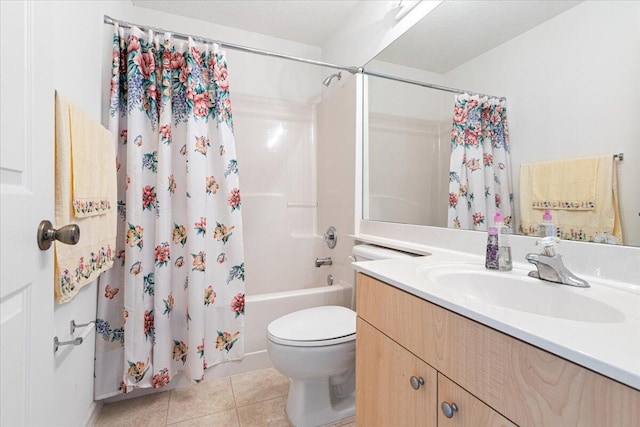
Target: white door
<point>26,192</point>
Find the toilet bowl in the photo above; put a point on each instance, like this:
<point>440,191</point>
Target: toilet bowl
<point>316,349</point>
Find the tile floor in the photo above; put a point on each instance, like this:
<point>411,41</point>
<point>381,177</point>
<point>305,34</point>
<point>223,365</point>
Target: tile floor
<point>253,399</point>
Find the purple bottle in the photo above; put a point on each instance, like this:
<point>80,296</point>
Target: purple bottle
<point>491,259</point>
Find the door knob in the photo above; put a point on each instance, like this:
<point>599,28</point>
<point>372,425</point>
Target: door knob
<point>448,409</point>
<point>69,234</point>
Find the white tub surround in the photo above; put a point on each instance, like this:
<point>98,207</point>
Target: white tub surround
<point>609,346</point>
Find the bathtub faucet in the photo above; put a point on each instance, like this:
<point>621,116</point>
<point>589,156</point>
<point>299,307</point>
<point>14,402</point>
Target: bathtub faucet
<point>323,261</point>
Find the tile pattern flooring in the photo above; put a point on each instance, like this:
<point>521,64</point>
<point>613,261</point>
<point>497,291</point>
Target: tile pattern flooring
<point>254,398</point>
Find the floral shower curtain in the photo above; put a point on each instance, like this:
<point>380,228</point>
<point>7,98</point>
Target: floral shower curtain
<point>174,301</point>
<point>480,172</point>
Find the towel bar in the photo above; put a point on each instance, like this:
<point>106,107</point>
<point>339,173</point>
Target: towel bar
<point>73,325</point>
<point>619,156</point>
<point>76,341</point>
<point>57,343</point>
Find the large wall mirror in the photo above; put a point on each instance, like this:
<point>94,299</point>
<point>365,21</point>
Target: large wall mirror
<point>570,73</point>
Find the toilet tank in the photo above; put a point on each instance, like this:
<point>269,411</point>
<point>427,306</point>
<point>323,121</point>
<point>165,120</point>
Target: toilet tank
<point>368,252</point>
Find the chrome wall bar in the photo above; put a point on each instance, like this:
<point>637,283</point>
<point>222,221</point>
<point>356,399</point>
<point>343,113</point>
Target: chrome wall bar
<point>353,70</point>
<point>57,343</point>
<point>72,328</point>
<point>619,156</point>
<point>73,325</point>
<point>427,85</point>
<point>124,24</point>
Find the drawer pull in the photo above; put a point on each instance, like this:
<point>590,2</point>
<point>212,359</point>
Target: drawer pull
<point>448,409</point>
<point>416,382</point>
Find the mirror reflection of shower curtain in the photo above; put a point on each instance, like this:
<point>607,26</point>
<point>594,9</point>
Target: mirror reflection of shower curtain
<point>480,168</point>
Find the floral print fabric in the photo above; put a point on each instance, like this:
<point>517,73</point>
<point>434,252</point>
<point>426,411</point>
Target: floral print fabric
<point>174,302</point>
<point>480,172</point>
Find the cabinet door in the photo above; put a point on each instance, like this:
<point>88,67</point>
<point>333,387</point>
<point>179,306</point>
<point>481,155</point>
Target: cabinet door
<point>385,395</point>
<point>464,409</point>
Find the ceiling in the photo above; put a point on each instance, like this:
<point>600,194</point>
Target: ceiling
<point>453,33</point>
<point>458,31</point>
<point>306,21</point>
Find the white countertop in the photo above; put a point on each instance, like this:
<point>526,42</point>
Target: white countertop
<point>611,349</point>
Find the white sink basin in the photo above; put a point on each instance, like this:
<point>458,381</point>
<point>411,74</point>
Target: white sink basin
<point>514,290</point>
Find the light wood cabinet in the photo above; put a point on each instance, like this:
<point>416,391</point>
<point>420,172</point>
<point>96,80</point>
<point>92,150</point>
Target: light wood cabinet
<point>498,378</point>
<point>383,377</point>
<point>470,411</point>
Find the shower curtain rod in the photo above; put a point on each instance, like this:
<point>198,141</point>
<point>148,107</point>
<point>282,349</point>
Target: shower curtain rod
<point>232,46</point>
<point>352,70</point>
<point>427,85</point>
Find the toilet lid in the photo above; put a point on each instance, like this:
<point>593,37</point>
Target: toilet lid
<point>316,326</point>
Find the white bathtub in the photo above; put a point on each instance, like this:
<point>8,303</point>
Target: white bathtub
<point>260,310</point>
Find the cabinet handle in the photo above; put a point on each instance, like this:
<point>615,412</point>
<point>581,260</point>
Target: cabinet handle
<point>416,382</point>
<point>448,409</point>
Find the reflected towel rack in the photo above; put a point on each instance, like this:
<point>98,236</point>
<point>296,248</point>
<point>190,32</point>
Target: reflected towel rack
<point>302,204</point>
<point>619,156</point>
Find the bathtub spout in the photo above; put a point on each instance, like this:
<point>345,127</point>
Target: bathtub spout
<point>323,261</point>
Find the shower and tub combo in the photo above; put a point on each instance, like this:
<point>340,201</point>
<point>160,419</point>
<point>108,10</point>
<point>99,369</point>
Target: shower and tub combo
<point>276,141</point>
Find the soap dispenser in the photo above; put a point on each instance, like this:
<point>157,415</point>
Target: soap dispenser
<point>505,263</point>
<point>547,228</point>
<point>491,258</point>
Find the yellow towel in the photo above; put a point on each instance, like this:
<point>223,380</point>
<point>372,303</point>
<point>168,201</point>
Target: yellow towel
<point>91,170</point>
<point>575,224</point>
<point>79,264</point>
<point>565,184</point>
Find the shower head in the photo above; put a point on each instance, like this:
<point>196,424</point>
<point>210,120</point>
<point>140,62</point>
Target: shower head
<point>327,81</point>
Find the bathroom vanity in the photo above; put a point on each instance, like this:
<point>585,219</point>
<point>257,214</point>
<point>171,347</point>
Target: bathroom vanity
<point>421,364</point>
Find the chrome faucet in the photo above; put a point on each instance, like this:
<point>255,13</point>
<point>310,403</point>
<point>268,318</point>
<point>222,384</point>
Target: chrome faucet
<point>552,269</point>
<point>323,261</point>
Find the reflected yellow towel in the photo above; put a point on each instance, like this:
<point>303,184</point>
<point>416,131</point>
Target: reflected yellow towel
<point>574,224</point>
<point>89,144</point>
<point>565,184</point>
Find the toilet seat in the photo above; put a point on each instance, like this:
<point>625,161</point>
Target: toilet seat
<point>314,327</point>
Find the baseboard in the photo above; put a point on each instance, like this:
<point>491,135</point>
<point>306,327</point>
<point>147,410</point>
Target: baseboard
<point>92,418</point>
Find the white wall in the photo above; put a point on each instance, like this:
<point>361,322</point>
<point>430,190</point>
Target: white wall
<point>573,66</point>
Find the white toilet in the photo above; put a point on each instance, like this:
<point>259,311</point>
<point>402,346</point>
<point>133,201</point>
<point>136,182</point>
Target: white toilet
<point>316,349</point>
